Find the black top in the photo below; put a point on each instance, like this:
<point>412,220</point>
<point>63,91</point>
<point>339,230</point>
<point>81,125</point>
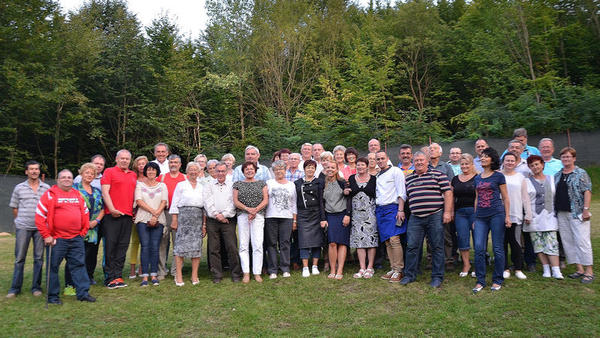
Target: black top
<point>464,193</point>
<point>562,201</point>
<point>309,196</point>
<point>369,189</point>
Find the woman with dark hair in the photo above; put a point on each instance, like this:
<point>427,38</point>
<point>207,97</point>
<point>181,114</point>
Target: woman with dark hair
<point>151,198</point>
<point>251,196</point>
<point>337,212</point>
<point>543,225</point>
<point>572,205</point>
<point>363,234</point>
<point>350,156</point>
<point>310,218</point>
<point>492,209</point>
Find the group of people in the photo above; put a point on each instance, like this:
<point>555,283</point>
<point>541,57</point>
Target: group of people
<point>307,204</point>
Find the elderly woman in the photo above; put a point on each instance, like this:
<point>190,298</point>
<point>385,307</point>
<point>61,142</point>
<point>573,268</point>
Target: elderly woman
<point>351,155</point>
<point>280,219</point>
<point>363,234</point>
<point>229,161</point>
<point>543,225</point>
<point>210,168</point>
<point>492,213</point>
<point>327,156</point>
<point>202,160</point>
<point>134,245</point>
<point>310,217</point>
<point>151,198</point>
<point>463,187</point>
<point>93,200</point>
<point>251,196</point>
<point>572,205</point>
<point>189,222</point>
<point>339,156</point>
<point>337,213</point>
<point>519,204</point>
<point>372,169</point>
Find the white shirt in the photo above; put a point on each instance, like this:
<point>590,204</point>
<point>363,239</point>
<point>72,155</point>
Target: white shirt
<point>95,183</point>
<point>218,199</point>
<point>544,221</point>
<point>164,167</point>
<point>186,196</point>
<point>282,199</point>
<point>518,197</point>
<point>390,186</point>
<point>522,168</point>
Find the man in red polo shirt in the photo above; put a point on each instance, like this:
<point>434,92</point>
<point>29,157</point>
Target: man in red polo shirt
<point>118,188</point>
<point>170,179</point>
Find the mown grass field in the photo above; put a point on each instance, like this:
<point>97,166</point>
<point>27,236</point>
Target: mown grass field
<point>312,306</point>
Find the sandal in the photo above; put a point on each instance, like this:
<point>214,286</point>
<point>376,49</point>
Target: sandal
<point>331,276</point>
<point>339,277</point>
<point>359,274</point>
<point>588,279</point>
<point>369,273</point>
<point>576,275</point>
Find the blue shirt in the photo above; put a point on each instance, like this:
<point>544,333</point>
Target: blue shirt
<point>477,163</point>
<point>489,201</point>
<point>529,150</point>
<point>455,168</point>
<point>552,167</point>
<point>262,174</point>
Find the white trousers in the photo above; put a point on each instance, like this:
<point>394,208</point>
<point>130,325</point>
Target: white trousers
<point>575,237</point>
<point>251,231</point>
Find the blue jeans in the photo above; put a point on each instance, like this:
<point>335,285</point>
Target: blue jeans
<point>73,250</point>
<point>150,241</point>
<point>463,220</point>
<point>315,252</point>
<point>22,238</point>
<point>483,225</point>
<point>418,227</point>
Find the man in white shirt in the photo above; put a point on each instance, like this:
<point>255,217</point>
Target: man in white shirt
<point>317,150</point>
<point>161,152</point>
<point>252,154</point>
<point>220,224</point>
<point>391,193</point>
<point>99,161</point>
<point>479,146</point>
<point>516,147</point>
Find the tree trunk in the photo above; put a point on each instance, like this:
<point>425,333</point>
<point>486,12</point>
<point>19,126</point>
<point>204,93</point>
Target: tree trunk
<point>525,42</point>
<point>57,137</point>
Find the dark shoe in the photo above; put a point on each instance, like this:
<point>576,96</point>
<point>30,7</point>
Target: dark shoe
<point>496,288</point>
<point>112,285</point>
<point>87,298</point>
<point>92,282</point>
<point>406,281</point>
<point>155,282</point>
<point>587,279</point>
<point>450,266</point>
<point>144,283</point>
<point>531,268</point>
<point>576,275</point>
<point>121,283</point>
<point>476,289</point>
<point>217,280</point>
<point>55,302</point>
<point>236,280</point>
<point>436,283</point>
<point>295,266</point>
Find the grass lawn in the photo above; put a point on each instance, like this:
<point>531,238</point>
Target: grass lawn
<point>311,306</point>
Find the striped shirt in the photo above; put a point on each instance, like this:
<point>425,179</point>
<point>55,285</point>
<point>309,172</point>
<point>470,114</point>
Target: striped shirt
<point>292,177</point>
<point>25,200</point>
<point>426,192</point>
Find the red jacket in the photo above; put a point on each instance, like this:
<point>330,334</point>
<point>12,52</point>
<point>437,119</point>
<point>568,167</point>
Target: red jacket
<point>62,214</point>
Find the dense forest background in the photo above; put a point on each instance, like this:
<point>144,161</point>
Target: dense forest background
<point>277,73</point>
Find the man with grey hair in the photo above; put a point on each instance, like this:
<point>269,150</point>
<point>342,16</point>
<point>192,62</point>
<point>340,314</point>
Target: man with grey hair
<point>317,150</point>
<point>293,171</point>
<point>99,161</point>
<point>454,162</point>
<point>520,134</point>
<point>551,165</point>
<point>306,153</point>
<point>161,152</point>
<point>252,154</point>
<point>118,188</point>
<point>516,147</point>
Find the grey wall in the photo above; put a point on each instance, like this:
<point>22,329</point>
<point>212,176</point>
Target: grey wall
<point>7,184</point>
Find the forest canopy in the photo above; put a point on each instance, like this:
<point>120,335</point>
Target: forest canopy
<point>279,73</point>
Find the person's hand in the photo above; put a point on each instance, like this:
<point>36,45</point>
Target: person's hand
<point>507,222</point>
<point>203,231</point>
<point>447,217</point>
<point>346,220</point>
<point>347,191</point>
<point>49,241</point>
<point>93,224</point>
<point>251,211</point>
<point>116,213</point>
<point>294,226</point>
<point>527,221</point>
<point>400,216</point>
<point>324,224</point>
<point>174,225</point>
<point>586,215</point>
<point>221,218</point>
<point>251,217</point>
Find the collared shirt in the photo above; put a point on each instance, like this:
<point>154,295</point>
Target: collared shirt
<point>262,174</point>
<point>25,200</point>
<point>293,176</point>
<point>187,196</point>
<point>164,167</point>
<point>455,168</point>
<point>408,170</point>
<point>218,199</point>
<point>529,150</point>
<point>390,186</point>
<point>578,182</point>
<point>444,168</point>
<point>426,192</point>
<point>122,188</point>
<point>95,183</point>
<point>552,167</point>
<point>477,163</point>
<point>523,168</point>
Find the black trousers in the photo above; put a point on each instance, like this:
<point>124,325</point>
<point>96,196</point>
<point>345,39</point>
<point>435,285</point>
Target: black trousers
<point>117,233</point>
<point>516,253</point>
<point>217,232</point>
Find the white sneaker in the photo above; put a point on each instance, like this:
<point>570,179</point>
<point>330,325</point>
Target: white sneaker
<point>506,274</point>
<point>473,274</point>
<point>315,270</point>
<point>546,274</point>
<point>305,272</point>
<point>557,274</point>
<point>273,276</point>
<point>286,275</point>
<point>520,275</point>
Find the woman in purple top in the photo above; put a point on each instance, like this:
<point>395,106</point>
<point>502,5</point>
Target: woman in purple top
<point>491,214</point>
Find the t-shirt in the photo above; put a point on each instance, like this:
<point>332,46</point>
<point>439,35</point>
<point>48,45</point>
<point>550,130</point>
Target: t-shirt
<point>464,193</point>
<point>489,201</point>
<point>171,183</point>
<point>426,192</point>
<point>563,203</point>
<point>152,196</point>
<point>25,200</point>
<point>282,200</point>
<point>250,193</point>
<point>122,188</point>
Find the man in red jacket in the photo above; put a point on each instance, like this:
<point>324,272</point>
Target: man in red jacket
<point>62,219</point>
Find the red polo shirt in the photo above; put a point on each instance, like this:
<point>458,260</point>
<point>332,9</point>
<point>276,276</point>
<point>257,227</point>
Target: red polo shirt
<point>122,188</point>
<point>171,183</point>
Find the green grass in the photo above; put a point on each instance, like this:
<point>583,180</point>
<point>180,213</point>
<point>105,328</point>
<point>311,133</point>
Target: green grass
<point>312,306</point>
<point>594,173</point>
